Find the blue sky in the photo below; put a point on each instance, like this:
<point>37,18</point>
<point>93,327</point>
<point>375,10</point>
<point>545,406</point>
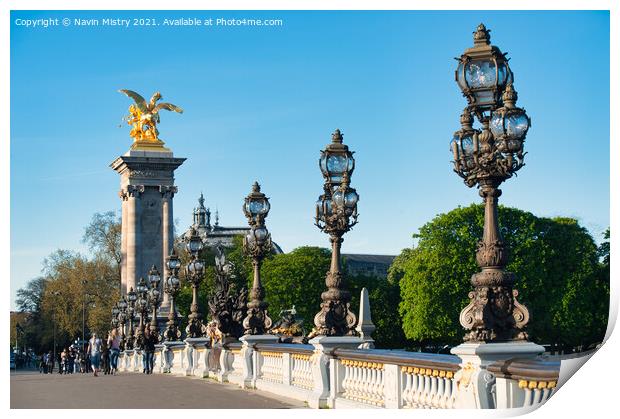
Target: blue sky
<point>260,103</point>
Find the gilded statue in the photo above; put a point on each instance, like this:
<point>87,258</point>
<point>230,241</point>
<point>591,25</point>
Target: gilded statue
<point>143,118</point>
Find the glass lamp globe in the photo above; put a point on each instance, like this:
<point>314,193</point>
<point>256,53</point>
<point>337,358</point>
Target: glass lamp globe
<point>483,72</point>
<point>154,276</point>
<point>256,204</point>
<point>463,143</point>
<point>122,304</point>
<point>250,239</point>
<point>338,198</point>
<point>173,262</point>
<point>324,206</point>
<point>194,244</point>
<point>336,160</point>
<point>173,281</point>
<point>260,234</point>
<point>351,198</point>
<point>509,124</point>
<point>142,288</point>
<point>195,267</point>
<point>131,295</point>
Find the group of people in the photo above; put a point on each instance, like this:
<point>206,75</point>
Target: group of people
<point>107,354</point>
<point>100,355</point>
<point>104,355</point>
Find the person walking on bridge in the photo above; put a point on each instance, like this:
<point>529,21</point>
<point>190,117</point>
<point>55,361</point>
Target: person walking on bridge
<point>94,349</point>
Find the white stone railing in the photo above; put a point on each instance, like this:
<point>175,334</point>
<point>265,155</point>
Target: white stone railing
<point>363,382</point>
<point>424,388</point>
<point>325,375</point>
<point>301,371</point>
<point>270,366</point>
<point>524,383</point>
<point>283,369</point>
<point>392,379</point>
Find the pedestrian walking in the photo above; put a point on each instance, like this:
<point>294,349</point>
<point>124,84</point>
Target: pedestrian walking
<point>94,350</point>
<point>150,339</point>
<point>49,362</point>
<point>114,343</point>
<point>59,361</point>
<point>42,364</point>
<point>64,361</point>
<point>105,358</point>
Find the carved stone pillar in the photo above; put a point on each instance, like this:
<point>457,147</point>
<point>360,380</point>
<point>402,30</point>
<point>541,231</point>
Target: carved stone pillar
<point>134,234</point>
<point>124,197</point>
<point>147,190</point>
<point>167,194</point>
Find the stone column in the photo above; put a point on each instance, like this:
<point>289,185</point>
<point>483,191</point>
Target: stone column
<point>167,193</point>
<point>124,197</point>
<point>134,235</point>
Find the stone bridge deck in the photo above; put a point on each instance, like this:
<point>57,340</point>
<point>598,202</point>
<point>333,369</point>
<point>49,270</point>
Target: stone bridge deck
<point>129,390</point>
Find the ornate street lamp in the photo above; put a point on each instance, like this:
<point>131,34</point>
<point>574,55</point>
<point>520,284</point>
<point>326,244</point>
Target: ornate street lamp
<point>336,213</point>
<point>122,318</point>
<point>172,286</point>
<point>142,309</point>
<point>154,297</point>
<point>194,272</point>
<point>486,158</point>
<point>257,244</point>
<point>115,312</point>
<point>131,315</point>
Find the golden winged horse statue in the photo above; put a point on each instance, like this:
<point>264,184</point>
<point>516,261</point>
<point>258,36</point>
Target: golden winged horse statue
<point>144,117</point>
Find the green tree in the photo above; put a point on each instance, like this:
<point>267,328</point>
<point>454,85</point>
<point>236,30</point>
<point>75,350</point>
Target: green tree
<point>555,261</point>
<point>296,278</point>
<point>103,237</point>
<point>76,283</point>
<point>384,297</point>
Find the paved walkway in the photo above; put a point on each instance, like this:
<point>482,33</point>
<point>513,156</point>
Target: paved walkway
<point>126,391</point>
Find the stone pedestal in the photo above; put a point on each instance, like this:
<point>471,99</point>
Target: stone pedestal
<point>158,359</point>
<point>127,360</point>
<point>137,360</point>
<point>250,360</point>
<point>474,383</point>
<point>172,356</point>
<point>147,190</point>
<point>196,351</point>
<point>226,359</point>
<point>321,359</point>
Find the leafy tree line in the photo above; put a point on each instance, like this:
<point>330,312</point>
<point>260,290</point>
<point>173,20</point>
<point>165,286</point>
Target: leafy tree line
<point>73,288</point>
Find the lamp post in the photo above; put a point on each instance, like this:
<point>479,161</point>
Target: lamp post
<point>172,286</point>
<point>142,309</point>
<point>154,298</point>
<point>336,213</point>
<point>486,158</point>
<point>56,294</point>
<point>122,318</point>
<point>257,244</point>
<point>115,312</point>
<point>85,294</point>
<point>194,272</point>
<point>131,315</point>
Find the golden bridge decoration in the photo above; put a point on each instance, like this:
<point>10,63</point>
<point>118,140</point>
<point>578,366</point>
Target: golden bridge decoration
<point>143,118</point>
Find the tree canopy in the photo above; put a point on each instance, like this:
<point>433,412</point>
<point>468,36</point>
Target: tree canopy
<point>560,278</point>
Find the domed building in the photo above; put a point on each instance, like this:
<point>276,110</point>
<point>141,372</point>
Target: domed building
<point>213,234</point>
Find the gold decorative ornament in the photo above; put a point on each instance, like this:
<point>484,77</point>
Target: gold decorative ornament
<point>143,118</point>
